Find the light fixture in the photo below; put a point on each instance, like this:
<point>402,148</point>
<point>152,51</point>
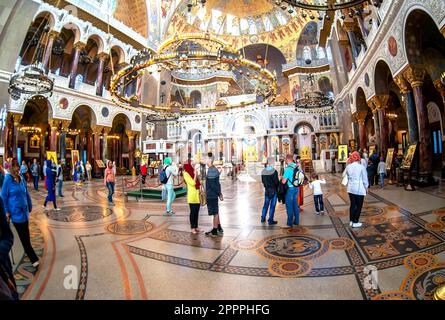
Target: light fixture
<point>323,5</point>
<point>31,81</point>
<point>30,130</point>
<point>314,101</point>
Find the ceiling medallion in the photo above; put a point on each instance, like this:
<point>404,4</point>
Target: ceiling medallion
<point>190,55</point>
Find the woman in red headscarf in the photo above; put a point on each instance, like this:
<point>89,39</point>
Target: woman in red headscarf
<point>193,188</point>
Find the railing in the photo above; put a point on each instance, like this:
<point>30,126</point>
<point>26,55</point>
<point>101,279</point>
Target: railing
<point>203,75</point>
<point>153,182</point>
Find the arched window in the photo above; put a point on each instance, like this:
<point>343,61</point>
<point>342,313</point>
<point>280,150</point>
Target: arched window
<point>321,53</point>
<point>79,80</point>
<point>307,53</point>
<point>195,99</point>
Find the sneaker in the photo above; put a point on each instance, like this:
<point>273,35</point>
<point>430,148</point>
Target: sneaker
<point>212,233</point>
<point>45,208</point>
<point>36,264</point>
<point>171,212</point>
<point>220,230</point>
<point>322,211</point>
<point>57,209</point>
<point>350,223</point>
<point>357,225</point>
<point>286,227</point>
<point>272,223</point>
<point>263,220</point>
<point>61,196</point>
<point>317,213</point>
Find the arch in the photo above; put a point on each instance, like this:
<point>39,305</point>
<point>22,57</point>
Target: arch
<point>50,16</point>
<point>382,77</point>
<point>120,52</point>
<point>256,120</point>
<point>41,111</point>
<point>195,98</point>
<point>122,118</point>
<point>301,124</point>
<point>99,41</point>
<point>360,100</point>
<point>70,25</point>
<point>88,108</point>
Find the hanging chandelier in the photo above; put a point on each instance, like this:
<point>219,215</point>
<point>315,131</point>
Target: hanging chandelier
<point>193,54</point>
<point>29,81</point>
<point>308,7</point>
<point>314,102</point>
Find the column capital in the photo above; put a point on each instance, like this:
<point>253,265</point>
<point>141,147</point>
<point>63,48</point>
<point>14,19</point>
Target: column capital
<point>53,34</point>
<point>349,25</point>
<point>402,83</point>
<point>97,129</point>
<point>103,56</point>
<point>360,116</point>
<point>378,102</point>
<point>55,123</point>
<point>439,87</point>
<point>65,124</point>
<point>130,133</point>
<point>415,75</point>
<point>79,45</point>
<point>107,130</point>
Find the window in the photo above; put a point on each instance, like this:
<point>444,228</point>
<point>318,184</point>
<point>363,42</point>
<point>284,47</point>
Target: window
<point>307,53</point>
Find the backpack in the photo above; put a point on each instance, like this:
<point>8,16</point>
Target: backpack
<point>163,176</point>
<point>298,178</point>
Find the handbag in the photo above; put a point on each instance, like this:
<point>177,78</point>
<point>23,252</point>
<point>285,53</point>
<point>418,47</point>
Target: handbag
<point>345,179</point>
<point>202,196</point>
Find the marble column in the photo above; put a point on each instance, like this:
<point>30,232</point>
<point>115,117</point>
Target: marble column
<point>78,47</point>
<point>291,144</point>
<point>49,47</point>
<point>280,148</point>
<point>350,27</point>
<point>105,145</point>
<point>405,90</point>
<point>266,146</point>
<point>415,76</point>
<point>96,149</point>
<point>380,102</point>
<point>375,117</point>
<point>361,118</point>
<point>131,135</point>
<point>15,137</point>
<point>100,73</point>
<point>53,137</point>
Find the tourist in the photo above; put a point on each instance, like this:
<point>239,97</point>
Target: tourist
<point>35,171</point>
<point>18,206</point>
<point>357,185</point>
<point>88,168</point>
<point>193,189</point>
<point>381,170</point>
<point>213,192</point>
<point>82,172</point>
<point>24,170</point>
<point>143,172</point>
<point>300,188</point>
<point>270,180</point>
<point>2,176</point>
<point>363,161</point>
<point>372,172</point>
<point>292,209</point>
<point>169,171</point>
<point>109,181</point>
<point>75,173</point>
<point>114,168</point>
<point>44,175</point>
<point>318,194</point>
<point>59,179</point>
<point>8,287</point>
<point>51,186</point>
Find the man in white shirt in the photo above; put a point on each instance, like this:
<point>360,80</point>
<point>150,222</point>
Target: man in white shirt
<point>318,194</point>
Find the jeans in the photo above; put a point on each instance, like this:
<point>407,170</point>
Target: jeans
<point>23,231</point>
<point>170,196</point>
<point>60,187</point>
<point>318,200</point>
<point>382,180</point>
<point>110,186</point>
<point>36,182</point>
<point>194,214</point>
<point>269,203</point>
<point>356,207</point>
<point>292,209</point>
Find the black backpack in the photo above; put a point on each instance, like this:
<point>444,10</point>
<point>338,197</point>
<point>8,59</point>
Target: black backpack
<point>163,176</point>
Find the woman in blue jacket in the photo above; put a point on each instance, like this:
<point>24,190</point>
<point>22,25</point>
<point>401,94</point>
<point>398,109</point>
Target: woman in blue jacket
<point>18,205</point>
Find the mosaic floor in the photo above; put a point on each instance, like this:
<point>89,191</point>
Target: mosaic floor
<point>133,251</point>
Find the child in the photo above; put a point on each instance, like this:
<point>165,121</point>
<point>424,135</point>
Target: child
<point>381,170</point>
<point>318,194</point>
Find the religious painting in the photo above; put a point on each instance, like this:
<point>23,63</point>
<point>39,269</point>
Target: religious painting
<point>352,144</point>
<point>409,157</point>
<point>286,145</point>
<point>144,159</point>
<point>34,141</point>
<point>74,157</point>
<point>305,153</point>
<point>250,153</point>
<point>69,141</point>
<point>371,150</point>
<point>100,164</point>
<point>295,87</point>
<point>275,145</point>
<point>342,153</point>
<point>389,158</point>
<point>392,46</point>
<point>51,155</point>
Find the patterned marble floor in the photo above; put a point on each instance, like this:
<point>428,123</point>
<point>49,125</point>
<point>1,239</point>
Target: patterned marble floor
<point>133,251</point>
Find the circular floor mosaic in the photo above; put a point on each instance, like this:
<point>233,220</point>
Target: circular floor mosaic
<point>295,268</point>
<point>370,211</point>
<point>79,214</point>
<point>130,227</point>
<point>291,247</point>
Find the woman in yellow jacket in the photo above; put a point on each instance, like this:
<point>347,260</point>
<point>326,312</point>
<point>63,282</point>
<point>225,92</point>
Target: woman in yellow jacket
<point>193,187</point>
